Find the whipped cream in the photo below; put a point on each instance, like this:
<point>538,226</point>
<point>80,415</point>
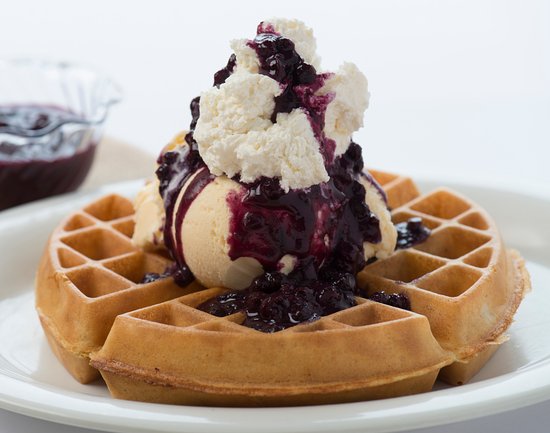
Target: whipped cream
<point>344,115</point>
<point>236,136</point>
<point>235,133</point>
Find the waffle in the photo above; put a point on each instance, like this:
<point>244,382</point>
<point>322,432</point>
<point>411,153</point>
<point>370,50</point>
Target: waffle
<point>151,343</point>
<point>462,278</point>
<point>88,275</point>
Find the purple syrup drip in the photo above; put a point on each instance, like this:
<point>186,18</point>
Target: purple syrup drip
<point>202,178</point>
<point>176,167</point>
<point>267,223</point>
<point>328,222</point>
<point>224,73</point>
<point>195,112</point>
<point>368,177</point>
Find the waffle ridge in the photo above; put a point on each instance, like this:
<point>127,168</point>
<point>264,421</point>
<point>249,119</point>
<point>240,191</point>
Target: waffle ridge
<point>462,270</point>
<point>151,343</point>
<point>89,274</point>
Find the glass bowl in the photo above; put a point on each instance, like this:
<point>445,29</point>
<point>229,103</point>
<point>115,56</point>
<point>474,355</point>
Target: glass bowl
<point>51,118</point>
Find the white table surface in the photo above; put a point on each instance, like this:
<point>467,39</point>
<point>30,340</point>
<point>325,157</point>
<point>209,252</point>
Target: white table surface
<point>458,89</point>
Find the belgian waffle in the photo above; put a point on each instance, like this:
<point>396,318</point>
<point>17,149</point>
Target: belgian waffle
<point>462,278</point>
<point>88,275</point>
<point>151,343</point>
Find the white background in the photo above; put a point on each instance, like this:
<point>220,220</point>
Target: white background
<point>459,89</point>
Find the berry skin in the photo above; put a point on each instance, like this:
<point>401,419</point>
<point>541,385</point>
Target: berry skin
<point>411,232</point>
<point>398,300</point>
<point>275,301</point>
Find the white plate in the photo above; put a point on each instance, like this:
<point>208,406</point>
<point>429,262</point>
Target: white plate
<point>33,383</point>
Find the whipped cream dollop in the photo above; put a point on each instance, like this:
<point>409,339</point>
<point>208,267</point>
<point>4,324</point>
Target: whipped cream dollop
<point>236,134</point>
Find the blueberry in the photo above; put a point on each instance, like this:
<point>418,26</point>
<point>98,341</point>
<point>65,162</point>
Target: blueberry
<point>163,172</point>
<point>399,300</point>
<point>265,44</point>
<point>302,311</point>
<point>252,221</point>
<point>344,282</point>
<point>411,232</point>
<point>275,67</point>
<point>169,157</point>
<point>274,308</point>
<point>284,45</point>
<point>254,301</point>
<point>305,74</point>
<point>267,283</point>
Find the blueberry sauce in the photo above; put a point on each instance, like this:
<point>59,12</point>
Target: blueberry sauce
<point>274,302</point>
<point>170,271</point>
<point>329,222</point>
<point>398,300</point>
<point>224,73</point>
<point>38,156</point>
<point>175,168</point>
<point>323,227</point>
<point>195,112</point>
<point>411,232</point>
<point>299,82</point>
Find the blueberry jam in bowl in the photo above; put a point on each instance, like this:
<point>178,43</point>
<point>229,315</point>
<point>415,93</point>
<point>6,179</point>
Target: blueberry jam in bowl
<point>51,119</point>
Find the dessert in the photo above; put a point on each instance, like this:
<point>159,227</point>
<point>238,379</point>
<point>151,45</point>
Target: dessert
<point>263,266</point>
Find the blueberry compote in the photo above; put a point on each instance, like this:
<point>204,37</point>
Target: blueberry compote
<point>275,301</point>
<point>411,232</point>
<point>176,167</point>
<point>325,223</point>
<point>44,151</point>
<point>399,300</point>
<point>299,82</point>
<point>322,228</point>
